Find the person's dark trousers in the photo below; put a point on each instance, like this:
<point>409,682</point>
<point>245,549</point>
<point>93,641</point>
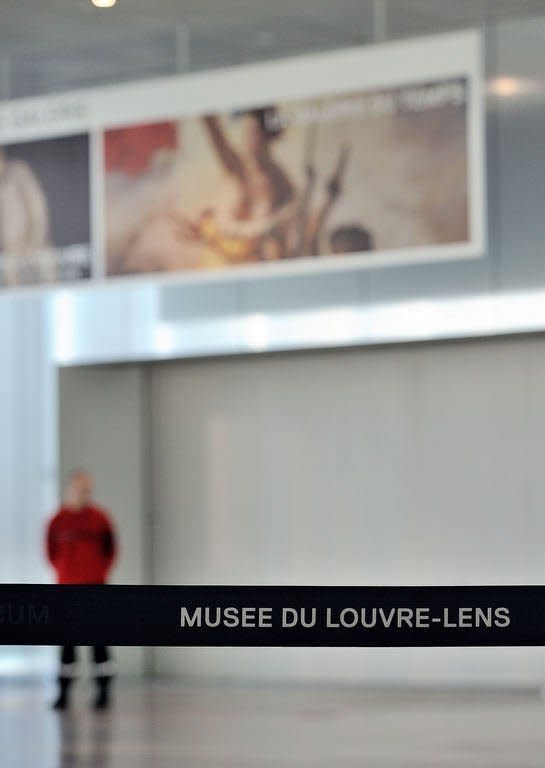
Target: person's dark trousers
<point>102,672</point>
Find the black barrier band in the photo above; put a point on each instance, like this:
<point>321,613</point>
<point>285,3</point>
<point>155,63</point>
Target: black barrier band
<point>272,616</point>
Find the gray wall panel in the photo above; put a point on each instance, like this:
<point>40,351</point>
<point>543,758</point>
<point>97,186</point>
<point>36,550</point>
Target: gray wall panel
<point>407,465</point>
<point>102,427</point>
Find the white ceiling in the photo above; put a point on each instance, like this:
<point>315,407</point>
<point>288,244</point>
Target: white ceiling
<point>49,45</point>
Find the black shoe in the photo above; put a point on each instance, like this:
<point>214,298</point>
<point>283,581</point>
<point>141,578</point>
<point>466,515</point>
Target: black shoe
<point>61,702</point>
<point>102,700</point>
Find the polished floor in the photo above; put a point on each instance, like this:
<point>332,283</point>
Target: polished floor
<point>165,725</point>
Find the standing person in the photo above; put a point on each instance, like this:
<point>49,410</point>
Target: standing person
<point>81,547</point>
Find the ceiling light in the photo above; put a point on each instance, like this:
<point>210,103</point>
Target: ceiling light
<point>104,3</point>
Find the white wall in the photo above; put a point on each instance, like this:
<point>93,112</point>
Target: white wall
<point>406,465</point>
<point>102,427</point>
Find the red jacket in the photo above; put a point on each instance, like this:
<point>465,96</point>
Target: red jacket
<point>81,545</point>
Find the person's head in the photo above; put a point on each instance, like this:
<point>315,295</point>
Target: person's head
<point>79,489</point>
<point>262,126</point>
<point>351,239</point>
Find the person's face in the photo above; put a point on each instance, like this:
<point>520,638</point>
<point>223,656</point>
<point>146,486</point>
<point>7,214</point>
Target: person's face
<point>255,139</point>
<point>79,490</point>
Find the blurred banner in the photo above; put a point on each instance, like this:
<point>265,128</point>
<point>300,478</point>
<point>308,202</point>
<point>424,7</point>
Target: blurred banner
<point>366,157</point>
<point>44,211</point>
